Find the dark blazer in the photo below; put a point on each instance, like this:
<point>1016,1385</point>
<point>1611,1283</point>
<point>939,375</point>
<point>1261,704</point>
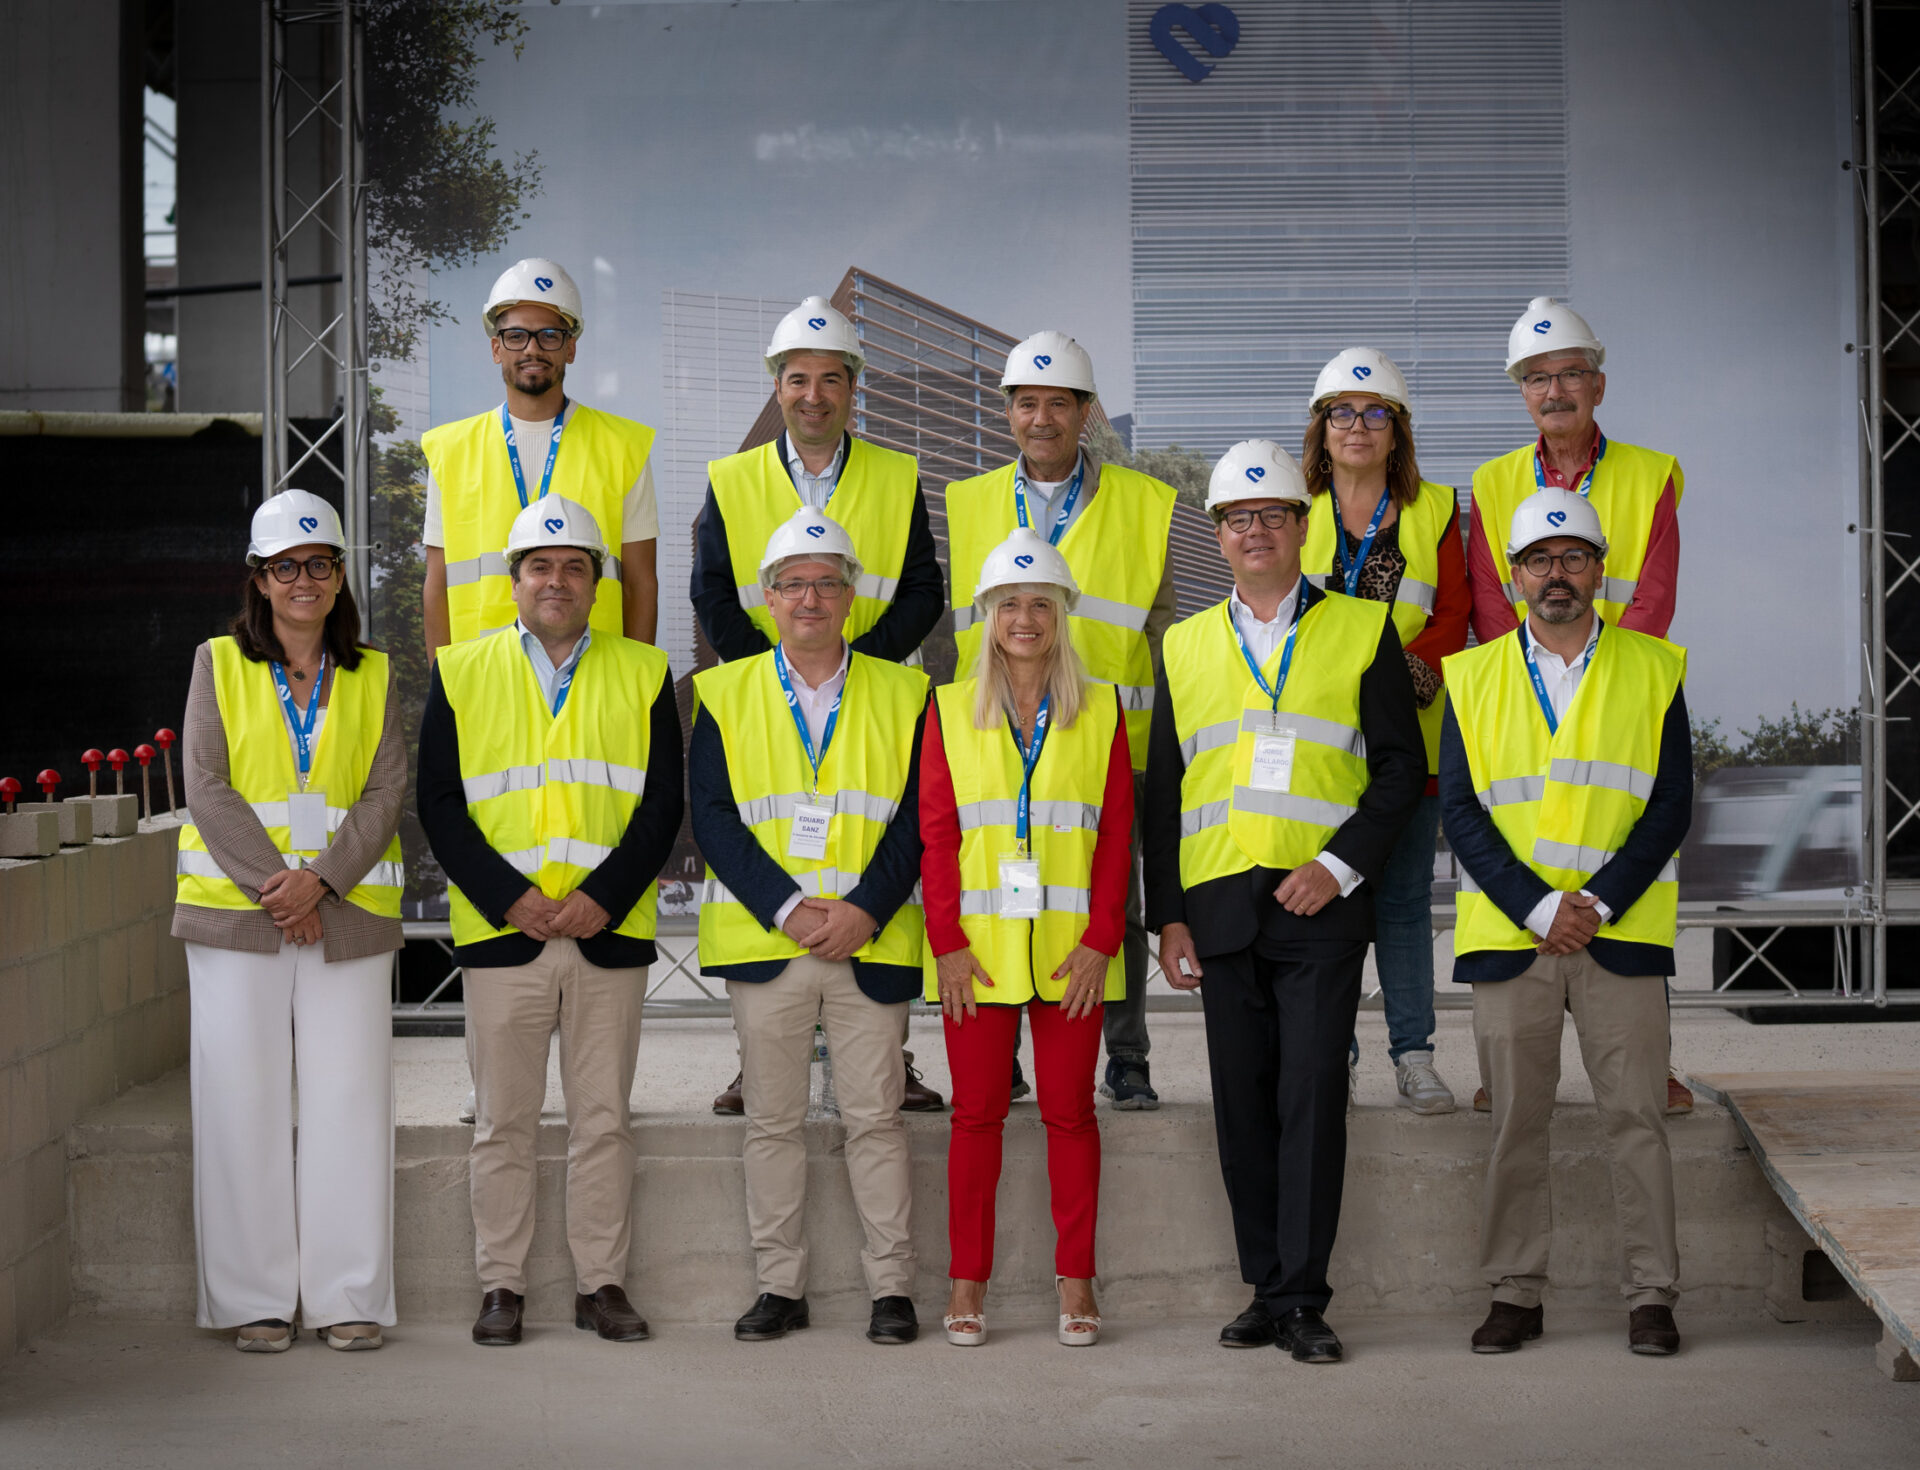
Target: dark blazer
<point>493,885</point>
<point>1226,914</point>
<point>756,878</point>
<point>917,603</point>
<point>1515,888</point>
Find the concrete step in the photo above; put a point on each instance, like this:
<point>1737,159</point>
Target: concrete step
<point>1407,1239</point>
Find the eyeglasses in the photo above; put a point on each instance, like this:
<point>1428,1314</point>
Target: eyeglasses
<point>827,589</point>
<point>1374,416</point>
<point>1273,517</point>
<point>1573,563</point>
<point>1573,379</point>
<point>320,568</point>
<point>551,339</point>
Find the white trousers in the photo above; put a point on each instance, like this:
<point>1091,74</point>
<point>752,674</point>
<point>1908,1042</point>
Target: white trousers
<point>276,1236</point>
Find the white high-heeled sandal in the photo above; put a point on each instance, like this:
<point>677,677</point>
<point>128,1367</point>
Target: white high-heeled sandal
<point>966,1339</point>
<point>1069,1320</point>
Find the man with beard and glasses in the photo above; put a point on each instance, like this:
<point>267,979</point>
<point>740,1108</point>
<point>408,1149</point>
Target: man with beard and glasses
<point>1555,358</point>
<point>1566,787</point>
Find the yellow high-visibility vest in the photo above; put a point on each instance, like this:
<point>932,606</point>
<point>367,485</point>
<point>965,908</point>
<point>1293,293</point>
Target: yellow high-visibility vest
<point>1421,525</point>
<point>601,455</point>
<point>1626,491</point>
<point>1117,551</point>
<point>1226,825</point>
<point>862,778</point>
<point>1565,802</point>
<point>552,794</point>
<point>261,769</point>
<point>872,502</point>
<point>1069,784</point>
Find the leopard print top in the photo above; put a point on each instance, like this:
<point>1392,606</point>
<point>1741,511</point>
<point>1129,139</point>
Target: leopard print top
<point>1379,581</point>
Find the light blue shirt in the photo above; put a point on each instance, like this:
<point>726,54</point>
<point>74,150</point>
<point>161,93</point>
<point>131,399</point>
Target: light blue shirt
<point>543,667</point>
<point>815,490</point>
<point>1043,493</point>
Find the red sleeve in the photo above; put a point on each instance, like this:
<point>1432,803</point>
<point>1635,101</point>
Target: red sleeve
<point>1652,608</point>
<point>1446,630</point>
<point>1492,612</point>
<point>940,842</point>
<point>1112,853</point>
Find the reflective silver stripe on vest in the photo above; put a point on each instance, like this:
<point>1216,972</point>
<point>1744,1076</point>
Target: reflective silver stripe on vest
<point>964,618</point>
<point>1609,774</point>
<point>1005,813</point>
<point>490,784</point>
<point>1511,789</point>
<point>1467,885</point>
<point>526,862</point>
<point>1290,808</point>
<point>274,814</point>
<point>577,852</point>
<point>1134,698</point>
<point>1209,737</point>
<point>386,875</point>
<point>1511,596</point>
<point>188,863</point>
<point>1311,727</point>
<point>1669,873</point>
<point>588,771</point>
<point>1197,819</point>
<point>812,885</point>
<point>1569,855</point>
<point>494,564</point>
<point>780,806</point>
<point>1115,614</point>
<point>1415,594</point>
<point>1053,899</point>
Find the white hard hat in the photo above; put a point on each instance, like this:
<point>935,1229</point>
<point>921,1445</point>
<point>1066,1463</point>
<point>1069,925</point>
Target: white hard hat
<point>1025,557</point>
<point>814,326</point>
<point>1360,370</point>
<point>808,533</point>
<point>1550,326</point>
<point>1256,469</point>
<point>1554,512</point>
<point>293,518</point>
<point>1049,360</point>
<point>554,520</point>
<point>535,281</point>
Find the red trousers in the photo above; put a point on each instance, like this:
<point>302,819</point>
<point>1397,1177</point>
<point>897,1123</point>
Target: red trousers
<point>980,1052</point>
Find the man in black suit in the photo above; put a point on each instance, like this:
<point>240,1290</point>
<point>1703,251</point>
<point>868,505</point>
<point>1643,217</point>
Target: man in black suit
<point>1285,756</point>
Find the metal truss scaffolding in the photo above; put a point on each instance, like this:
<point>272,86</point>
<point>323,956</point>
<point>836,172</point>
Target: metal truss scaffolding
<point>313,218</point>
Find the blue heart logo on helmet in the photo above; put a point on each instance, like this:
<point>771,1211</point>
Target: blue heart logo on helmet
<point>545,283</point>
<point>1256,473</point>
<point>1543,326</point>
<point>816,322</point>
<point>1042,360</point>
<point>309,523</point>
<point>1556,518</point>
<point>554,524</point>
<point>1023,562</point>
<point>816,530</point>
<point>1362,372</point>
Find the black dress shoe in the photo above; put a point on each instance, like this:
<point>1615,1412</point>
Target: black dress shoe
<point>609,1313</point>
<point>1252,1328</point>
<point>1651,1330</point>
<point>770,1317</point>
<point>1304,1333</point>
<point>498,1324</point>
<point>893,1321</point>
<point>1507,1326</point>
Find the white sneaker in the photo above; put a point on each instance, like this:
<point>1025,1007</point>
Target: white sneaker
<point>468,1110</point>
<point>1420,1086</point>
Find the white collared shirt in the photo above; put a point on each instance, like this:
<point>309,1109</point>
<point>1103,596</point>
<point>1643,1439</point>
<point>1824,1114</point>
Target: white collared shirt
<point>815,705</point>
<point>543,667</point>
<point>1562,680</point>
<point>815,490</point>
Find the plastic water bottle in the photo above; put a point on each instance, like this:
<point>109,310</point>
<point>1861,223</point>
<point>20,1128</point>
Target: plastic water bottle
<point>821,1103</point>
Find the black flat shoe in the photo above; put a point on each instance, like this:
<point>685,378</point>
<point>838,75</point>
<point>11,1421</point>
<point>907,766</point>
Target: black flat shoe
<point>1252,1328</point>
<point>1304,1333</point>
<point>609,1313</point>
<point>770,1317</point>
<point>893,1321</point>
<point>498,1324</point>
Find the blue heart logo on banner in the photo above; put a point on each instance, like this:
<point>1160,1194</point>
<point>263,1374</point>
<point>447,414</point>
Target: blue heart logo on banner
<point>555,525</point>
<point>1363,373</point>
<point>816,322</point>
<point>309,523</point>
<point>1023,562</point>
<point>1043,361</point>
<point>545,283</point>
<point>816,530</point>
<point>1214,28</point>
<point>1542,327</point>
<point>1256,473</point>
<point>1556,518</point>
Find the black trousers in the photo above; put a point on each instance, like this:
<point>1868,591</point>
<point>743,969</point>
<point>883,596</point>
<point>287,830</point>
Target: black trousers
<point>1279,1018</point>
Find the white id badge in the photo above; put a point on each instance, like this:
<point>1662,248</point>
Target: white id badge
<point>307,820</point>
<point>1273,761</point>
<point>808,837</point>
<point>1019,888</point>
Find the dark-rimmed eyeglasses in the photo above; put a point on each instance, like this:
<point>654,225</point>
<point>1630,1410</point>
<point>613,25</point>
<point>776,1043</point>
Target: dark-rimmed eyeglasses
<point>1273,517</point>
<point>1572,380</point>
<point>1374,415</point>
<point>550,339</point>
<point>824,588</point>
<point>320,568</point>
<point>1573,563</point>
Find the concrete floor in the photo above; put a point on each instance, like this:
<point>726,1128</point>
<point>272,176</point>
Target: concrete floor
<point>1742,1393</point>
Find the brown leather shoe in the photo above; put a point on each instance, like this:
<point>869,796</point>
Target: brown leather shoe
<point>920,1098</point>
<point>1506,1327</point>
<point>1679,1095</point>
<point>498,1324</point>
<point>1481,1102</point>
<point>730,1100</point>
<point>1650,1330</point>
<point>609,1313</point>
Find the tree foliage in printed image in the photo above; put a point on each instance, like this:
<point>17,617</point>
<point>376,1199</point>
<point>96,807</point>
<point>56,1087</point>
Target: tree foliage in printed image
<point>1187,470</point>
<point>440,197</point>
<point>1828,737</point>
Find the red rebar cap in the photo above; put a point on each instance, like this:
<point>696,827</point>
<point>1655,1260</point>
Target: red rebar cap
<point>144,753</point>
<point>164,738</point>
<point>48,779</point>
<point>117,757</point>
<point>91,759</point>
<point>9,788</point>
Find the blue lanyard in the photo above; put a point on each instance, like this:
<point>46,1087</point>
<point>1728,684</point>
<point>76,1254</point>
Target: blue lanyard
<point>1539,684</point>
<point>1286,649</point>
<point>1030,753</point>
<point>302,730</point>
<point>566,687</point>
<point>800,720</point>
<point>1585,488</point>
<point>1062,515</point>
<point>513,452</point>
<point>1351,574</point>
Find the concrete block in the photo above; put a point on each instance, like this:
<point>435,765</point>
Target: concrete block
<point>132,899</point>
<point>63,1087</point>
<point>1892,1359</point>
<point>76,819</point>
<point>80,994</point>
<point>23,908</point>
<point>29,834</point>
<point>137,1053</point>
<point>1805,1286</point>
<point>46,982</point>
<point>113,978</point>
<point>27,1105</point>
<point>16,985</point>
<point>143,942</point>
<point>13,1211</point>
<point>47,1188</point>
<point>9,1331</point>
<point>96,1068</point>
<point>170,963</point>
<point>113,816</point>
<point>41,1291</point>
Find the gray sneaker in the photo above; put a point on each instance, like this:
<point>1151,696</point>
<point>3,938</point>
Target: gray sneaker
<point>1419,1086</point>
<point>1129,1085</point>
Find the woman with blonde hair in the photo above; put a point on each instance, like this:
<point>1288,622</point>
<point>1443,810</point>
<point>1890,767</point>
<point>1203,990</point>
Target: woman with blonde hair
<point>1026,808</point>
